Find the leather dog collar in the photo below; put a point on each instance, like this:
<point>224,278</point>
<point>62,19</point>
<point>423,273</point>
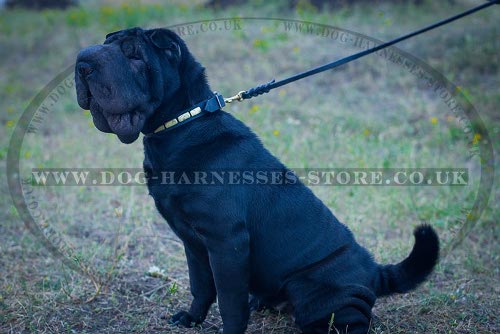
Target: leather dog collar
<point>208,106</point>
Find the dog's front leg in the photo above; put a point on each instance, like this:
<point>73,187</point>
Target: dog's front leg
<point>229,259</point>
<point>201,282</point>
<point>202,287</point>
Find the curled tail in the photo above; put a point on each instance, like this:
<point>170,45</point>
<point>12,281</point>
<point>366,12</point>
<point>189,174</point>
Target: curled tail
<point>408,274</point>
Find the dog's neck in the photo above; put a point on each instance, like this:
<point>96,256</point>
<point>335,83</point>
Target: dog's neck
<point>190,93</point>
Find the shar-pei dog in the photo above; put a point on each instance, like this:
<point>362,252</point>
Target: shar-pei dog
<point>251,239</point>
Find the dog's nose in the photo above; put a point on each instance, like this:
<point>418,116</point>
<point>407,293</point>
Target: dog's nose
<point>84,69</point>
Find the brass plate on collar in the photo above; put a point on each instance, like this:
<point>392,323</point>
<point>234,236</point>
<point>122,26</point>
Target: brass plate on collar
<point>170,123</point>
<point>183,117</point>
<point>195,111</point>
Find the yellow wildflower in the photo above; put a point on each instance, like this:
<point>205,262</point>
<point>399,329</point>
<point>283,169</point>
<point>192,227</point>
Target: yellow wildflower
<point>476,139</point>
<point>254,109</point>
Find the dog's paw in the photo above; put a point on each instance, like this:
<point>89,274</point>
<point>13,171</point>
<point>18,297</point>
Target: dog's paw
<point>184,319</point>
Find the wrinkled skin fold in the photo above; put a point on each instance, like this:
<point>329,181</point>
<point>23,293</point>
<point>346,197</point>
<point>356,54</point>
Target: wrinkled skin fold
<point>120,84</point>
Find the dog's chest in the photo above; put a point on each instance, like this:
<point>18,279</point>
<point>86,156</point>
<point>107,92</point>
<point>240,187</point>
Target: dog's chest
<point>173,201</point>
<point>173,205</point>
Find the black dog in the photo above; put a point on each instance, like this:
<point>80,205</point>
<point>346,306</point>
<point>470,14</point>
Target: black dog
<point>273,240</point>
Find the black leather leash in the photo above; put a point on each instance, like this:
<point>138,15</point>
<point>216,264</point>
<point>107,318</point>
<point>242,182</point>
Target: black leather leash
<point>217,102</point>
<point>265,88</point>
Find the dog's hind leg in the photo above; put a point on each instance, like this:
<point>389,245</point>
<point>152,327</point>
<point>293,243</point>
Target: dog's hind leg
<point>348,320</point>
<point>351,312</point>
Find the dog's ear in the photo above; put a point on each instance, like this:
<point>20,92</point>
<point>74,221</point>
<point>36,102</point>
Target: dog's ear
<point>166,40</point>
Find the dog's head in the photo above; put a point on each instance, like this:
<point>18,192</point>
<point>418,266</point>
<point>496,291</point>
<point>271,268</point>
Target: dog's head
<point>124,80</point>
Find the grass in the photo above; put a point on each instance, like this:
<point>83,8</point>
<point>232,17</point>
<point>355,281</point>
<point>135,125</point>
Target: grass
<point>369,114</point>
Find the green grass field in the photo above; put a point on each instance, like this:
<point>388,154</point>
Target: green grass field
<point>373,113</point>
